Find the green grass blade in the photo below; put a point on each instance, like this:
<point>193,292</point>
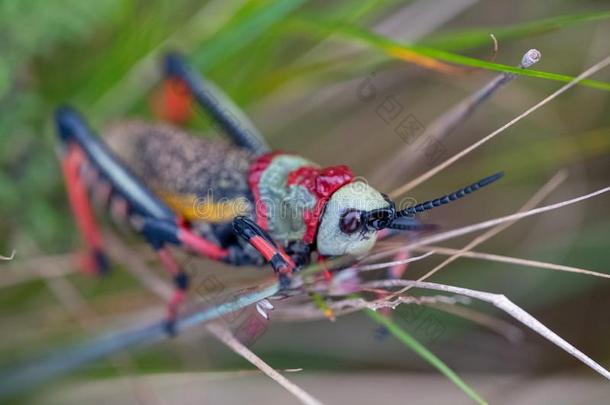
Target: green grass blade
<point>473,38</point>
<point>245,24</point>
<point>423,352</point>
<point>392,47</point>
<point>258,64</point>
<point>388,46</point>
<point>242,31</point>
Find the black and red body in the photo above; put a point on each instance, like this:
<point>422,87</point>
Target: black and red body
<point>164,194</point>
<point>235,202</point>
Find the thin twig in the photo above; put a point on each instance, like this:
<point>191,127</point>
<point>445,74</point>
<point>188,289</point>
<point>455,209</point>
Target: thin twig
<point>503,303</point>
<point>142,272</point>
<point>417,181</point>
<point>454,233</point>
<point>309,311</point>
<point>378,266</point>
<point>444,125</point>
<point>536,199</point>
<point>11,257</point>
<point>226,337</point>
<point>508,259</point>
<point>20,378</point>
<point>77,306</point>
<point>22,271</point>
<point>501,327</point>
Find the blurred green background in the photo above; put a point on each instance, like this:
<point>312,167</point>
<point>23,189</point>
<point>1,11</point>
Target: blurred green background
<point>297,67</point>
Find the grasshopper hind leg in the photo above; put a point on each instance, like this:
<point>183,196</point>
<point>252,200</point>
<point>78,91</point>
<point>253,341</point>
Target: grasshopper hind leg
<point>213,101</point>
<point>94,260</point>
<point>181,282</point>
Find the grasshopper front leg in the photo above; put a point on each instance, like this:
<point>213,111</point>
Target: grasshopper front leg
<point>281,263</point>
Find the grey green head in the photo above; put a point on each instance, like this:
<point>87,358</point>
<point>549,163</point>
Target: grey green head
<point>356,212</point>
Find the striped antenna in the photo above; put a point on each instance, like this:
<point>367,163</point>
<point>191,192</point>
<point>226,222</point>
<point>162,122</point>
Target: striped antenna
<point>411,211</point>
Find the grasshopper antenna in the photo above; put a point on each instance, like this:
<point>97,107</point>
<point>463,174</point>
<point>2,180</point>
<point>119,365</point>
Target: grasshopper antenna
<point>389,218</point>
<point>456,195</point>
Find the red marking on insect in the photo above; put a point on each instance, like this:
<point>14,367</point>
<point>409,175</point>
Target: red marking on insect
<point>77,194</point>
<point>167,261</point>
<point>201,245</point>
<point>264,247</point>
<point>173,101</point>
<point>322,183</point>
<point>268,250</point>
<point>87,264</point>
<point>328,276</point>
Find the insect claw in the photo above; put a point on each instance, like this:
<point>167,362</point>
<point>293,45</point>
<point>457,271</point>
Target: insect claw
<point>266,304</point>
<point>261,311</point>
<point>170,327</point>
<point>95,262</point>
<point>101,261</point>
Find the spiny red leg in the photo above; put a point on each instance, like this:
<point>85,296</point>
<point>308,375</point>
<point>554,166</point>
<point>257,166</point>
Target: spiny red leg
<point>181,281</point>
<point>94,260</point>
<point>281,263</point>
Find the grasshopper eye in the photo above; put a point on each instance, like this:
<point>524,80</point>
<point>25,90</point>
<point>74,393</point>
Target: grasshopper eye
<point>351,221</point>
